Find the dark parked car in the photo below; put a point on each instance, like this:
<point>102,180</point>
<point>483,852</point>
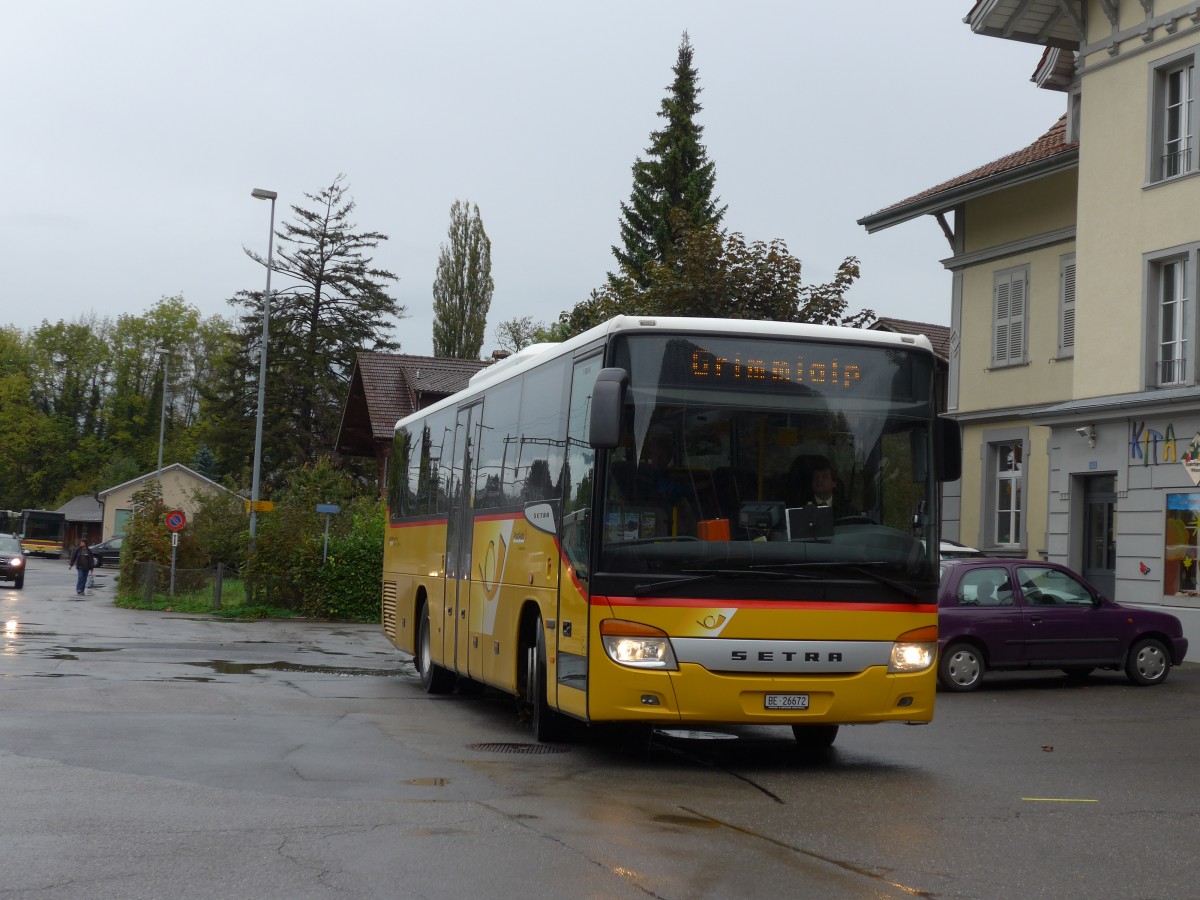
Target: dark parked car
<point>12,562</point>
<point>108,552</point>
<point>1022,614</point>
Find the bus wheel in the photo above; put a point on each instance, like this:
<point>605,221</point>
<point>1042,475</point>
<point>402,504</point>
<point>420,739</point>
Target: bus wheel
<point>815,737</point>
<point>547,725</point>
<point>434,678</point>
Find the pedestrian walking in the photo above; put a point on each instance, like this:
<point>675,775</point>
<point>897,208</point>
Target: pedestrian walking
<point>83,560</point>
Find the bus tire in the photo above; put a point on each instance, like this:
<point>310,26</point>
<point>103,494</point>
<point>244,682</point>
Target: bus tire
<point>815,737</point>
<point>547,725</point>
<point>434,679</point>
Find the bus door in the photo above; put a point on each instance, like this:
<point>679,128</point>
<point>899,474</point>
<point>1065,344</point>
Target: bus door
<point>571,635</point>
<point>460,527</point>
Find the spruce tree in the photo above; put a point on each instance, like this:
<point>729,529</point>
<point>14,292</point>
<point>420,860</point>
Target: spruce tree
<point>462,288</point>
<point>676,175</point>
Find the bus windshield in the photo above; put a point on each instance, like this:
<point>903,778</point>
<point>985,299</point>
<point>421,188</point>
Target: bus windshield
<point>741,454</point>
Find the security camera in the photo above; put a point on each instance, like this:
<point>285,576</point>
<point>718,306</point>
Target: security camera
<point>1084,431</point>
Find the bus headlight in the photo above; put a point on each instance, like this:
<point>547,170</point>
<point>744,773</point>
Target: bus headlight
<point>914,651</point>
<point>636,645</point>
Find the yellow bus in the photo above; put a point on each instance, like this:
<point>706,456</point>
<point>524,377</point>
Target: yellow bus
<point>42,532</point>
<point>626,528</point>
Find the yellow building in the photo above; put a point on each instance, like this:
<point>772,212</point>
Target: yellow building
<point>1074,333</point>
<point>180,485</point>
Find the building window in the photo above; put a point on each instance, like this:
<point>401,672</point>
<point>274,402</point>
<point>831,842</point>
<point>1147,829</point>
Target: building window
<point>1004,488</point>
<point>1173,126</point>
<point>1170,320</point>
<point>1180,551</point>
<point>1066,306</point>
<point>1010,291</point>
<point>1009,505</point>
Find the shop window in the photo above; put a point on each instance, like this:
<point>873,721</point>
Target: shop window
<point>1181,544</point>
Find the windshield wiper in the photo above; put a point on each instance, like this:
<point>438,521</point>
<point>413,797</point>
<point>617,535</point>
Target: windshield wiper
<point>694,575</point>
<point>859,568</point>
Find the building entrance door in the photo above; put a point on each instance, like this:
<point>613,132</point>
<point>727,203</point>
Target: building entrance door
<point>1100,532</point>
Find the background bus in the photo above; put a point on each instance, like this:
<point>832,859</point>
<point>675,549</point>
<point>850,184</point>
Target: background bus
<point>42,532</point>
<point>620,528</point>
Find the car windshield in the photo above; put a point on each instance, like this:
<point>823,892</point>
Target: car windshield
<point>718,476</point>
<point>9,544</point>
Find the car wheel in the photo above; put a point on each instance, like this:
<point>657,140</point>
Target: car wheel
<point>434,679</point>
<point>20,582</point>
<point>1148,662</point>
<point>961,667</point>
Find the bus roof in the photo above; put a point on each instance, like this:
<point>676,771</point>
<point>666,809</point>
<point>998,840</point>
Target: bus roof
<point>535,354</point>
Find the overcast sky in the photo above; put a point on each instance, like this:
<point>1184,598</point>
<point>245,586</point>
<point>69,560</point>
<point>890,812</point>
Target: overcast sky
<point>134,132</point>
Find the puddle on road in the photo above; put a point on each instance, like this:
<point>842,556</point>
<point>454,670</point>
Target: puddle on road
<point>226,667</point>
<point>93,649</point>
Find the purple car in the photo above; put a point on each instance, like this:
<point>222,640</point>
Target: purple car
<point>1022,614</point>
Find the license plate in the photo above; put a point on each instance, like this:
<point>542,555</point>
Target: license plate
<point>787,701</point>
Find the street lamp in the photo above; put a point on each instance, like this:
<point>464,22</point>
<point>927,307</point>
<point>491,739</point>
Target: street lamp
<point>260,194</point>
<point>162,425</point>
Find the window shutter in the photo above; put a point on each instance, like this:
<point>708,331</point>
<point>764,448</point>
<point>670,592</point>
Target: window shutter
<point>1067,343</point>
<point>1016,319</point>
<point>1000,338</point>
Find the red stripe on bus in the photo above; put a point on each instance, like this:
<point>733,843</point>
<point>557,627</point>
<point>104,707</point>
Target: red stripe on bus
<point>418,523</point>
<point>686,602</point>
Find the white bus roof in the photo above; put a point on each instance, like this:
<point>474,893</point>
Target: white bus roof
<point>534,354</point>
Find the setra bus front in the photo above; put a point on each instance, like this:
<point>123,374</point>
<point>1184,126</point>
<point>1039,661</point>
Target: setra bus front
<point>757,552</point>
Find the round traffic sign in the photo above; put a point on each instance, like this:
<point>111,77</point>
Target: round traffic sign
<point>176,520</point>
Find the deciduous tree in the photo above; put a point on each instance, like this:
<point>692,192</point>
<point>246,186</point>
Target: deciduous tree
<point>462,288</point>
<point>516,334</point>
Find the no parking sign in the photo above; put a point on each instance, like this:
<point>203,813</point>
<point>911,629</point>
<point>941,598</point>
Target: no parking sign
<point>176,520</point>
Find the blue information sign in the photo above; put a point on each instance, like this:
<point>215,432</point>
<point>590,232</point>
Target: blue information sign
<point>328,508</point>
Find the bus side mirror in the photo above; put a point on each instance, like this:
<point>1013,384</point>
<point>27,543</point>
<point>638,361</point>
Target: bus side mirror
<point>608,397</point>
<point>949,449</point>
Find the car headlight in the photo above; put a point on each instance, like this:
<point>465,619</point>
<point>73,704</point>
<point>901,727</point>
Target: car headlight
<point>914,651</point>
<point>17,562</point>
<point>636,645</point>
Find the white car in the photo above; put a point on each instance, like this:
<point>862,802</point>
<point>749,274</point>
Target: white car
<point>955,550</point>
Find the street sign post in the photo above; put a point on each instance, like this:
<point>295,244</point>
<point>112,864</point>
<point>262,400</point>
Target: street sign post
<point>176,520</point>
<point>328,509</point>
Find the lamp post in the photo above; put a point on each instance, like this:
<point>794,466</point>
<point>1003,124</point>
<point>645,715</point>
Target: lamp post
<point>162,425</point>
<point>260,194</point>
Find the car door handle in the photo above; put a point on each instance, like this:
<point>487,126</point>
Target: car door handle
<point>1035,619</point>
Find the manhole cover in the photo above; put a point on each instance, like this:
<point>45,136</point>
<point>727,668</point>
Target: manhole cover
<point>517,748</point>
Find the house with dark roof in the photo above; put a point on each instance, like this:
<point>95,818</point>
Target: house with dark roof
<point>1074,336</point>
<point>84,520</point>
<point>386,387</point>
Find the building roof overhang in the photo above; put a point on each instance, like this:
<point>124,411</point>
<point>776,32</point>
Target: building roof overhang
<point>1050,23</point>
<point>1120,406</point>
<point>943,201</point>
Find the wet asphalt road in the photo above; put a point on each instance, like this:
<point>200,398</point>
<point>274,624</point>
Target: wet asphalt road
<point>157,755</point>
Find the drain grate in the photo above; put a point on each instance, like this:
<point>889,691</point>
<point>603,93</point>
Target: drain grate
<point>517,748</point>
